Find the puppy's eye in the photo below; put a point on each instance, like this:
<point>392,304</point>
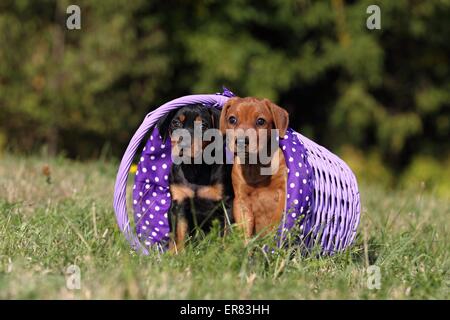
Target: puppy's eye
<point>176,123</point>
<point>232,120</point>
<point>204,126</point>
<point>260,121</point>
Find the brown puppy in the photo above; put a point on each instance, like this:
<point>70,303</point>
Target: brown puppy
<point>259,200</point>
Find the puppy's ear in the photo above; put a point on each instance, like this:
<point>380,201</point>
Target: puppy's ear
<point>215,117</point>
<point>163,124</point>
<point>280,117</point>
<point>223,114</point>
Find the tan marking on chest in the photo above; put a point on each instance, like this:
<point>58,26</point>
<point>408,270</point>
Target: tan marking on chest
<point>214,192</point>
<point>181,192</point>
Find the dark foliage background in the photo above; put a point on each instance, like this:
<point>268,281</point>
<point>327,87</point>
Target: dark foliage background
<point>379,98</point>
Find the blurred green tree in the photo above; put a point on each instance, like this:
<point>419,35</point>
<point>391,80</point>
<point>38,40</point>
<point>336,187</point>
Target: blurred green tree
<point>383,92</point>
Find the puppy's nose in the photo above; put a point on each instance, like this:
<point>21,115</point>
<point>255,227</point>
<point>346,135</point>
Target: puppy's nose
<point>182,144</point>
<point>242,141</point>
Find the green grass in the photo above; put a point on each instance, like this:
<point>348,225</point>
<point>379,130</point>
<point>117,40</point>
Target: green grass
<point>44,227</point>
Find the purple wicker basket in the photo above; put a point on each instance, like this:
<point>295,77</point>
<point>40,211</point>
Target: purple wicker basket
<point>322,195</point>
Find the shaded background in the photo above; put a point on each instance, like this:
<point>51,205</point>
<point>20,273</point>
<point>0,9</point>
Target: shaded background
<point>378,98</point>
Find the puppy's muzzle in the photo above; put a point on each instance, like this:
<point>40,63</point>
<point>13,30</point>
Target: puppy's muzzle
<point>242,143</point>
<point>184,144</point>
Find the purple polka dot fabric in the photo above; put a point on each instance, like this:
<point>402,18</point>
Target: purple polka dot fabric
<point>299,187</point>
<point>151,194</point>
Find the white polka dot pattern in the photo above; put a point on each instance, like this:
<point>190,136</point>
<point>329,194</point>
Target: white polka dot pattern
<point>151,192</point>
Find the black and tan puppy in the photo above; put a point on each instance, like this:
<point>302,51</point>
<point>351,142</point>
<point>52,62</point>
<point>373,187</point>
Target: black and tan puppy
<point>200,192</point>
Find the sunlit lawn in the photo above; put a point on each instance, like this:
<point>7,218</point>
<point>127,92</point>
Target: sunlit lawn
<point>50,222</point>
